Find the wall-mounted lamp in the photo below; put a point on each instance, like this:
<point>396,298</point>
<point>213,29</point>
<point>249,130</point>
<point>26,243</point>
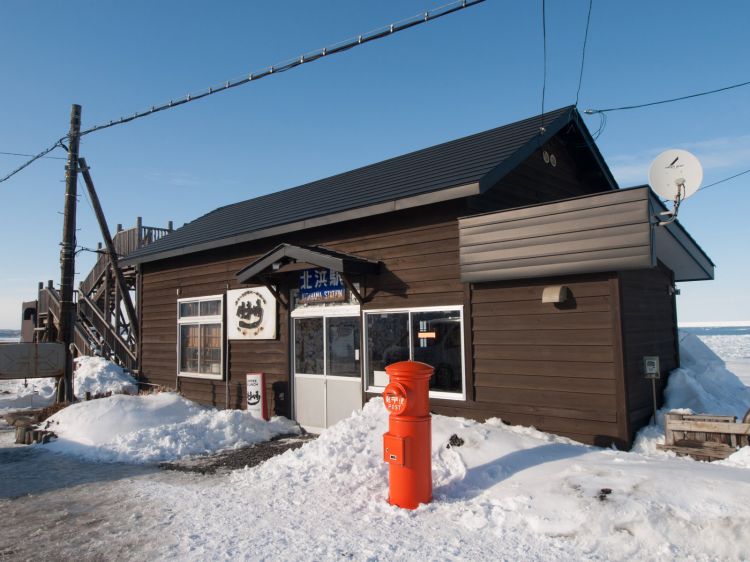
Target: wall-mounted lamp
<point>555,293</point>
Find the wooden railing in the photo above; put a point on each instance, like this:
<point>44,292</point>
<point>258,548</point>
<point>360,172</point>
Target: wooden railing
<point>128,241</point>
<point>108,337</point>
<point>125,243</point>
<point>93,333</point>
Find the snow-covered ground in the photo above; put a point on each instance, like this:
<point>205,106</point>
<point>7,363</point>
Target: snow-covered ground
<point>508,493</point>
<point>92,374</point>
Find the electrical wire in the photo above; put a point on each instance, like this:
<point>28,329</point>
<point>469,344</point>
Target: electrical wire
<point>583,51</point>
<point>311,56</point>
<point>725,179</point>
<point>33,159</point>
<point>30,155</point>
<point>649,104</point>
<point>379,33</point>
<point>544,56</point>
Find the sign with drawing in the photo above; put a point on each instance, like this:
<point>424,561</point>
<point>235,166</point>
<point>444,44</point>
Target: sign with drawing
<point>251,314</point>
<point>256,395</point>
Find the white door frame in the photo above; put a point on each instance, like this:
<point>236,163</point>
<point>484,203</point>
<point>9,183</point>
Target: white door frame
<point>324,312</point>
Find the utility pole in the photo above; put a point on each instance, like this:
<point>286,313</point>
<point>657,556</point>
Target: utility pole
<point>67,254</point>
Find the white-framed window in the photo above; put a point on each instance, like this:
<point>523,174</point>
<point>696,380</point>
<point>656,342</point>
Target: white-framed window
<point>432,335</point>
<point>200,337</point>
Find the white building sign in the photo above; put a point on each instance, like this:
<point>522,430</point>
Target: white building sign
<point>251,314</point>
<point>256,395</point>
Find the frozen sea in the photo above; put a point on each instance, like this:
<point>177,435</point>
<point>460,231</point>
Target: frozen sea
<point>731,343</point>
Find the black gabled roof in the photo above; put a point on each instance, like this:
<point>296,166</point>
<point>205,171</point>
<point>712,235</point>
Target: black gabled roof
<point>314,255</point>
<point>481,159</point>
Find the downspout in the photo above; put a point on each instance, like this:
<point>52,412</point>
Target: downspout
<point>226,352</point>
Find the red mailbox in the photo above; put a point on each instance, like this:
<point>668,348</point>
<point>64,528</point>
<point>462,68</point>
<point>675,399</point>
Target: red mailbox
<point>407,446</point>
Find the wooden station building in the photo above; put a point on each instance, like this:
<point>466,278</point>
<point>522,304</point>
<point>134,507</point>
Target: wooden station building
<point>509,260</point>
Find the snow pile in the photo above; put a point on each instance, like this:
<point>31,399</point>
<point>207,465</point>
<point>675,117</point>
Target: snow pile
<point>155,428</point>
<point>506,493</point>
<point>26,394</point>
<point>92,374</point>
<point>702,385</point>
<point>100,376</point>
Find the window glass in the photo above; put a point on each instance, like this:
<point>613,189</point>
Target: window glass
<point>210,308</point>
<point>387,342</point>
<point>189,348</point>
<point>200,337</point>
<point>210,349</point>
<point>436,340</point>
<point>308,346</point>
<point>189,309</point>
<point>343,346</point>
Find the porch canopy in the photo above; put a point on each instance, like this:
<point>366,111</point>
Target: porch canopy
<point>286,258</point>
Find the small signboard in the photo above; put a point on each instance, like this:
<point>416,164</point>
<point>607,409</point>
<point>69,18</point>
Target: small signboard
<point>651,367</point>
<point>256,395</point>
<point>318,285</point>
<point>251,314</point>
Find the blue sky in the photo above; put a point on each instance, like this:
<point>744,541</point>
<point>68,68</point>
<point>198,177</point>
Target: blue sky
<point>465,73</point>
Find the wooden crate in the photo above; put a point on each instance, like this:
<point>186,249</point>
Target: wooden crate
<point>705,437</point>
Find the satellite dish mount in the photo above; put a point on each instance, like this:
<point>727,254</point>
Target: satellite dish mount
<point>674,175</point>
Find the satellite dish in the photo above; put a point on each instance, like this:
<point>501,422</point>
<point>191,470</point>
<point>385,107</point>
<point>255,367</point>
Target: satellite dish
<point>675,175</point>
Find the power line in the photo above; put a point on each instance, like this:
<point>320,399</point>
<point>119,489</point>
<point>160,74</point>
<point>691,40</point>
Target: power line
<point>699,94</point>
<point>311,56</point>
<point>33,159</point>
<point>583,51</point>
<point>31,155</point>
<point>725,179</point>
<point>544,55</point>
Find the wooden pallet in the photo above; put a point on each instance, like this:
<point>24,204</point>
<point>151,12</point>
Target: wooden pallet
<point>705,437</point>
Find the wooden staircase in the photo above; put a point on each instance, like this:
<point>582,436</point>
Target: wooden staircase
<point>101,327</point>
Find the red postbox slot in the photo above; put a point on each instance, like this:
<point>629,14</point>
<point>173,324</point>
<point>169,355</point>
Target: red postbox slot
<point>394,449</point>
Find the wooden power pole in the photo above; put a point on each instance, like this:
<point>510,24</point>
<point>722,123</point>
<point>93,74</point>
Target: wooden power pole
<point>67,253</point>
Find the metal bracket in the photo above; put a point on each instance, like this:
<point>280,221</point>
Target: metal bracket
<point>350,286</point>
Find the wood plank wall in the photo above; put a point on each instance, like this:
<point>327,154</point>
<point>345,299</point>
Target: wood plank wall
<point>551,366</point>
<point>419,250</point>
<point>536,181</point>
<point>604,232</point>
<point>649,322</point>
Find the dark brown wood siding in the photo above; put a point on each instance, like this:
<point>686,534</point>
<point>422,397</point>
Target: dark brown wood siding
<point>553,366</point>
<point>604,232</point>
<point>649,327</point>
<point>536,181</point>
<point>419,252</point>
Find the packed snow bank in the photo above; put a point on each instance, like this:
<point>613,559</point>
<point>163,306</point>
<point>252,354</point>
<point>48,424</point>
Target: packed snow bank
<point>155,428</point>
<point>26,394</point>
<point>509,493</point>
<point>100,376</point>
<point>702,385</point>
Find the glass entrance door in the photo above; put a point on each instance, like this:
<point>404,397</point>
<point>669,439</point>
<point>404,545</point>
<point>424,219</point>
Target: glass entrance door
<point>327,372</point>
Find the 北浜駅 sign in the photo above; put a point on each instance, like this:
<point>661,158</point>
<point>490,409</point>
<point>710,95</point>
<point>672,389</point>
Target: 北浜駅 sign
<point>320,286</point>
